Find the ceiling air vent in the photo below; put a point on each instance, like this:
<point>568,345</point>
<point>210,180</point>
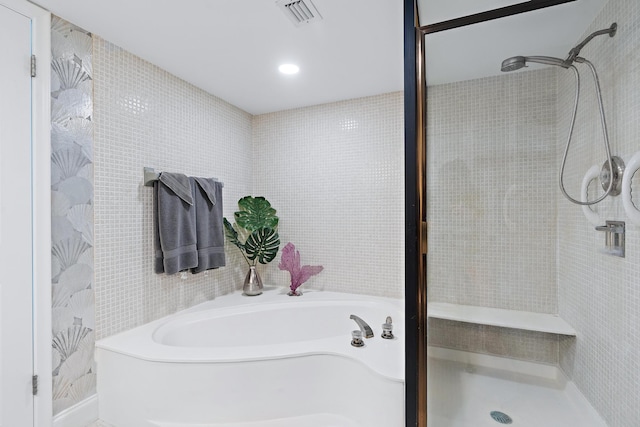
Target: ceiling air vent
<point>300,11</point>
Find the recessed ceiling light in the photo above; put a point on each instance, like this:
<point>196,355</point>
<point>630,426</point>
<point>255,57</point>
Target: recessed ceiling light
<point>288,69</point>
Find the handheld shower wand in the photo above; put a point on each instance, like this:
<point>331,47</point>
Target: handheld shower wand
<point>518,62</point>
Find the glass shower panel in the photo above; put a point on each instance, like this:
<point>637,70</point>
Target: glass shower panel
<point>492,162</point>
<point>493,339</point>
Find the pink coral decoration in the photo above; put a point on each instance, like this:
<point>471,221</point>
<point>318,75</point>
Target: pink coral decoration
<point>290,261</point>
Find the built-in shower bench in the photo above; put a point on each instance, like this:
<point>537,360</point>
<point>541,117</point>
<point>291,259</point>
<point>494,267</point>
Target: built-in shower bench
<point>515,319</point>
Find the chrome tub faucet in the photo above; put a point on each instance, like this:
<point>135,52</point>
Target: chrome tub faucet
<point>364,327</point>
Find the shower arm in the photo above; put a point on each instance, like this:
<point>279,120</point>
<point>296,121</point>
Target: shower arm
<point>604,131</point>
<point>573,53</point>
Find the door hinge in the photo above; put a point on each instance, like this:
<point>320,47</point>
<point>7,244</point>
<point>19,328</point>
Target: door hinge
<point>34,384</point>
<point>33,65</point>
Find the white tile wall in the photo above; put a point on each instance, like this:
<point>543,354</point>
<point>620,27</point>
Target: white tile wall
<point>146,117</point>
<point>335,173</point>
<point>491,192</point>
<point>600,294</point>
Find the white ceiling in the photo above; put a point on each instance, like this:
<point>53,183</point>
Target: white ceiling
<point>478,50</point>
<point>232,48</point>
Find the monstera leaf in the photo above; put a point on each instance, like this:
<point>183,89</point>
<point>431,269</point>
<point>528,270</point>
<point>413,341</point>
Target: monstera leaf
<point>232,237</point>
<point>231,233</point>
<point>255,213</point>
<point>262,245</point>
<point>256,223</point>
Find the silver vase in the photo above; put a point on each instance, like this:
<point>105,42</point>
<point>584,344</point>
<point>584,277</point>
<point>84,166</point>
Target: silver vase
<point>252,283</point>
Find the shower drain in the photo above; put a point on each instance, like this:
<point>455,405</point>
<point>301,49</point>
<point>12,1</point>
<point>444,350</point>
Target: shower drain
<point>501,417</point>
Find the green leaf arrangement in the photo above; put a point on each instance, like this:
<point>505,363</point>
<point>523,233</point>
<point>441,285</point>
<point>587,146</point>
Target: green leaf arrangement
<point>255,231</point>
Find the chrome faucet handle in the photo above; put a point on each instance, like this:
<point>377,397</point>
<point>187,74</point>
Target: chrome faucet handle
<point>356,338</point>
<point>387,329</point>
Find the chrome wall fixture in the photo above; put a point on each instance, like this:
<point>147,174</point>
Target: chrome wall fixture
<point>614,237</point>
<point>611,174</point>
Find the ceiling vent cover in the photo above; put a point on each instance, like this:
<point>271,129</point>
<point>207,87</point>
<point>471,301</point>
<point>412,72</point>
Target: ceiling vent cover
<point>299,11</point>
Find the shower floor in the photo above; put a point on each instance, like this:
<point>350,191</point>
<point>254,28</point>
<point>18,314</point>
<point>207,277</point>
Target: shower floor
<point>463,393</point>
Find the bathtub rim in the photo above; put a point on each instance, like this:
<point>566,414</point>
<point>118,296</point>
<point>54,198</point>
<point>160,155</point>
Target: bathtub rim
<point>230,311</point>
<point>139,342</point>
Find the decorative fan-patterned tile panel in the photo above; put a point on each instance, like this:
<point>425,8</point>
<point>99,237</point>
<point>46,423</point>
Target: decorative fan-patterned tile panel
<point>73,310</point>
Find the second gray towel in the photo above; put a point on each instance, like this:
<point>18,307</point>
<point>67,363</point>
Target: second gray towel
<point>209,224</point>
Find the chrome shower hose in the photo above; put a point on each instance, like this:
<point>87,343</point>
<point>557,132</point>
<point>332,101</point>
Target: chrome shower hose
<point>604,131</point>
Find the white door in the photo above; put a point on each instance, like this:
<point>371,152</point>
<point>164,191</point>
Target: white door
<point>16,332</point>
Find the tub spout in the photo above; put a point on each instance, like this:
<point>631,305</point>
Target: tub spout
<point>364,327</point>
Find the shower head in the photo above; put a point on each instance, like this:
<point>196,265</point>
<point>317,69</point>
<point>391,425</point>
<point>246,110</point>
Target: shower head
<point>517,62</point>
<point>513,63</point>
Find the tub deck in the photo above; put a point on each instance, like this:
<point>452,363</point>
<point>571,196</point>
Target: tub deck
<point>218,321</point>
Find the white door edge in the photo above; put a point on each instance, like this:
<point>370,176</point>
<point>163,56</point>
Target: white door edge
<point>41,204</point>
<point>41,161</point>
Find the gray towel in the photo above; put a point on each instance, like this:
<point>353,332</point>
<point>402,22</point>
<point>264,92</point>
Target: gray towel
<point>209,226</point>
<point>179,184</point>
<point>175,224</point>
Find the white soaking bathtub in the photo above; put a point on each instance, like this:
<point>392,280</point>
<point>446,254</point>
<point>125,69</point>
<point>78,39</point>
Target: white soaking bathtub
<point>270,360</point>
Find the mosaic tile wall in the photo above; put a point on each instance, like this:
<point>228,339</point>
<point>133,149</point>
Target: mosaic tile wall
<point>492,207</point>
<point>491,192</point>
<point>73,318</point>
<point>599,294</point>
<point>145,116</point>
<point>512,343</point>
<point>335,173</point>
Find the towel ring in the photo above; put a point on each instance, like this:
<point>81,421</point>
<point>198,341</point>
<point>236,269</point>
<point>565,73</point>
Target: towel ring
<point>592,217</point>
<point>633,212</point>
